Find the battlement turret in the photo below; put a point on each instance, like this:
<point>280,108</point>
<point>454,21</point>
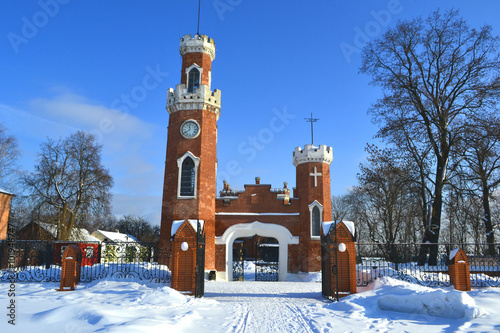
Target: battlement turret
<point>197,44</point>
<point>310,153</point>
<point>201,99</point>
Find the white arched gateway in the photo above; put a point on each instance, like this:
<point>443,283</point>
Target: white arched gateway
<point>280,233</point>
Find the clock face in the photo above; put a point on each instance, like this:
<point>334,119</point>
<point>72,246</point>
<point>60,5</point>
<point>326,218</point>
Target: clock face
<point>190,129</point>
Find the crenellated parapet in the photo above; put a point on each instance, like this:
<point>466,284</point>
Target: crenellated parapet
<point>310,154</point>
<point>202,99</point>
<point>197,44</point>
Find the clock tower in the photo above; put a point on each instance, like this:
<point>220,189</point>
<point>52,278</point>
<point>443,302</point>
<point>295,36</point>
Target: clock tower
<point>191,162</point>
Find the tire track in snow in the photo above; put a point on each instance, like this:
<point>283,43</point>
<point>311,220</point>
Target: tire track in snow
<point>268,306</point>
<point>301,318</point>
<point>241,320</point>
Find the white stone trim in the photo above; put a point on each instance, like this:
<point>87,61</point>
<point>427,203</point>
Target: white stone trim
<point>180,160</point>
<point>311,154</point>
<point>313,204</point>
<point>179,99</point>
<point>276,231</point>
<point>197,44</point>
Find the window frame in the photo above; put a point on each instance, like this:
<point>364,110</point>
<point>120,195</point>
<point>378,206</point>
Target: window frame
<point>188,81</point>
<point>315,204</point>
<point>180,162</point>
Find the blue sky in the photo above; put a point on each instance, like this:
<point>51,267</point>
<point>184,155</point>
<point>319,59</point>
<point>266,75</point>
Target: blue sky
<point>105,66</point>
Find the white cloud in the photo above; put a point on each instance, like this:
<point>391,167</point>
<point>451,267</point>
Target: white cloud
<point>108,124</point>
<point>133,149</point>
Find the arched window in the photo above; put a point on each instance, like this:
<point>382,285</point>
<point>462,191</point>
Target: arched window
<point>188,178</point>
<point>193,79</point>
<point>188,173</point>
<point>315,222</point>
<point>315,214</point>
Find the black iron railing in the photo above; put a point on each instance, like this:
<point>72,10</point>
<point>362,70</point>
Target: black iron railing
<point>37,261</point>
<point>400,261</point>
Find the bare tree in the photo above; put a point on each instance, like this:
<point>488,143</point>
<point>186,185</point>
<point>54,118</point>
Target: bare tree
<point>70,180</point>
<point>440,71</point>
<point>388,200</point>
<point>341,206</point>
<point>138,227</point>
<point>481,152</point>
<point>9,153</point>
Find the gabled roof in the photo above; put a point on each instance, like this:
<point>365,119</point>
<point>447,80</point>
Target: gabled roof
<point>113,236</point>
<point>77,234</point>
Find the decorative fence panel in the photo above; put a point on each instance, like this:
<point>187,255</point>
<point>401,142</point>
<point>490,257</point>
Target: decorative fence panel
<point>399,261</point>
<point>37,261</point>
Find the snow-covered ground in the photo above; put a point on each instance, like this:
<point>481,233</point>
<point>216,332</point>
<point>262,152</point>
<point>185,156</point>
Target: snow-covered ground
<point>293,306</point>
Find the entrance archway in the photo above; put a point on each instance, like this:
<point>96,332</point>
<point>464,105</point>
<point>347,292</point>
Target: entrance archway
<point>256,258</point>
<point>280,233</point>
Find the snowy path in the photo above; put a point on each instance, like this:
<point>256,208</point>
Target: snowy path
<point>268,306</point>
<point>133,306</point>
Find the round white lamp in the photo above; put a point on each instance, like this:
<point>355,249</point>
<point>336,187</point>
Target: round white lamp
<point>342,247</point>
<point>184,246</point>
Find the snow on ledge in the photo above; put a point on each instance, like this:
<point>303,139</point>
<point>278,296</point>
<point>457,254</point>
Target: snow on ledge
<point>177,223</point>
<point>453,253</point>
<point>348,224</point>
<point>5,192</point>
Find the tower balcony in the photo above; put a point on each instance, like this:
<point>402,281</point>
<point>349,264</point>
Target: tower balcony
<point>311,154</point>
<point>201,99</point>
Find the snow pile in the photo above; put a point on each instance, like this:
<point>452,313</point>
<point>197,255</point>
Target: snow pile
<point>408,298</point>
<point>136,306</point>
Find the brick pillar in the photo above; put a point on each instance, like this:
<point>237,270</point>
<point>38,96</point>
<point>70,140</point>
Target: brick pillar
<point>459,270</point>
<point>71,267</point>
<point>346,261</point>
<point>4,213</point>
<point>183,262</point>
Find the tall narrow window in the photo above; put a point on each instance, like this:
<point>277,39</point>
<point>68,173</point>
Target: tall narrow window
<point>193,79</point>
<point>315,222</point>
<point>188,175</point>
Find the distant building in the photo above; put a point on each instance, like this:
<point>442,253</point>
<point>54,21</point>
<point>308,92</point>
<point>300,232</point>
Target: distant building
<point>110,236</point>
<point>46,231</point>
<point>5,198</point>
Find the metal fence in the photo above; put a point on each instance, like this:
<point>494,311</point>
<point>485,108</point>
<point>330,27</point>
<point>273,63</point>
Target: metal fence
<point>37,261</point>
<point>400,261</point>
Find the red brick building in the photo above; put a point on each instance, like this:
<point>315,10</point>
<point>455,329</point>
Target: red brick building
<point>293,220</point>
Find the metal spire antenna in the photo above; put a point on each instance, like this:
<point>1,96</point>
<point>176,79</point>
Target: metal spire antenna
<point>199,12</point>
<point>311,120</point>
